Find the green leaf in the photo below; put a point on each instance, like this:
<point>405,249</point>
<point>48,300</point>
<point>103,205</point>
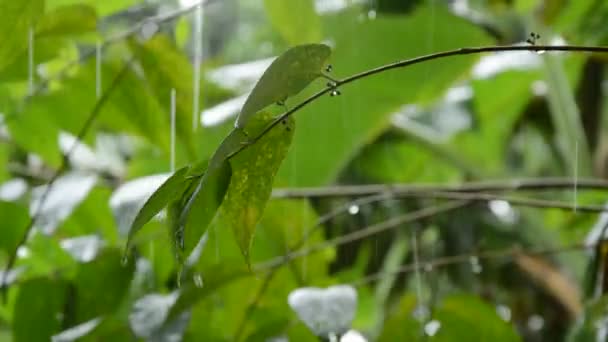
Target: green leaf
<point>38,308</point>
<point>468,318</point>
<point>296,20</point>
<point>288,75</point>
<point>166,68</point>
<point>253,171</point>
<point>13,220</point>
<point>201,203</point>
<point>173,187</point>
<point>95,294</point>
<point>17,19</point>
<point>216,277</point>
<point>66,20</point>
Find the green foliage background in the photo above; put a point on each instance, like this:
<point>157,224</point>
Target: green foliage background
<point>447,121</point>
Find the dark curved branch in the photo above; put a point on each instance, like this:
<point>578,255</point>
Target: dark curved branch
<point>417,60</point>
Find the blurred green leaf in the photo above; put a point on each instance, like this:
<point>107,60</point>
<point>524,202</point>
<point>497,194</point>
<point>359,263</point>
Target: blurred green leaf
<point>468,318</point>
<point>71,19</point>
<point>18,17</point>
<point>173,187</point>
<point>296,20</point>
<point>253,171</point>
<point>166,68</point>
<point>39,310</point>
<point>13,221</point>
<point>288,75</point>
<point>101,285</point>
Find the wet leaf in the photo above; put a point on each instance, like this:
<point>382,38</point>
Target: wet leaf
<point>288,75</point>
<point>17,19</point>
<point>296,20</point>
<point>72,19</point>
<point>167,192</point>
<point>199,205</point>
<point>253,171</point>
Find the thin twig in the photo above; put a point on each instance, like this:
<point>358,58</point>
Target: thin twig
<point>536,184</point>
<point>456,259</point>
<point>363,233</point>
<point>64,165</point>
<point>517,201</point>
<point>412,61</point>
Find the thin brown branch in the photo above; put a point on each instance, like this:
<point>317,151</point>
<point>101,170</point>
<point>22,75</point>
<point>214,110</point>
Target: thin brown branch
<point>435,263</point>
<point>395,190</point>
<point>64,165</point>
<point>363,233</point>
<point>412,61</point>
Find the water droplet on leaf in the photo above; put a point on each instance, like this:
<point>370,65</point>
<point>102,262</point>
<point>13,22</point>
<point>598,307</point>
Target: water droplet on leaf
<point>198,280</point>
<point>432,327</point>
<point>475,265</point>
<point>125,259</point>
<point>353,209</point>
<point>334,92</point>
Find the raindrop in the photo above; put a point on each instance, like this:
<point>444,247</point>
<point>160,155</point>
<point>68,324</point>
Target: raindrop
<point>475,265</point>
<point>504,312</point>
<point>334,92</point>
<point>125,259</point>
<point>331,84</point>
<point>536,322</point>
<point>371,15</point>
<point>329,68</point>
<point>540,52</point>
<point>149,29</point>
<point>421,313</point>
<point>30,57</point>
<point>432,327</point>
<point>98,56</point>
<point>353,209</point>
<point>198,280</point>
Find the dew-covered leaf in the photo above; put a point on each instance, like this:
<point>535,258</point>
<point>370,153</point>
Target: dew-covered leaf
<point>288,75</point>
<point>253,171</point>
<point>167,192</point>
<point>296,20</point>
<point>71,19</point>
<point>17,19</point>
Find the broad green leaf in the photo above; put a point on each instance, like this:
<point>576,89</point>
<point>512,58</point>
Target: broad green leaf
<point>288,75</point>
<point>337,127</point>
<point>18,17</point>
<point>253,171</point>
<point>13,220</point>
<point>174,186</point>
<point>72,19</point>
<point>38,310</point>
<point>104,8</point>
<point>296,20</point>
